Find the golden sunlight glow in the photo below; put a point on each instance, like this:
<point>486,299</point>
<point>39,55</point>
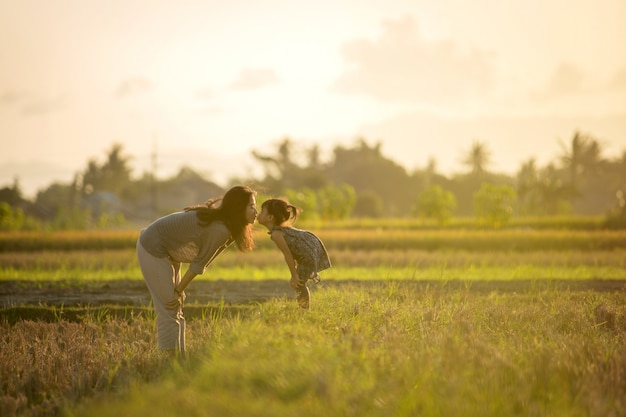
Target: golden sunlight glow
<point>221,79</point>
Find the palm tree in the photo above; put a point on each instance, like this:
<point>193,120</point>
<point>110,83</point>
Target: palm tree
<point>279,168</point>
<point>553,192</point>
<point>430,172</point>
<point>477,159</point>
<point>113,175</point>
<point>528,187</point>
<point>583,157</point>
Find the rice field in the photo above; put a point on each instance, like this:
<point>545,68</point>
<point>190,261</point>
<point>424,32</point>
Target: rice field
<point>409,321</point>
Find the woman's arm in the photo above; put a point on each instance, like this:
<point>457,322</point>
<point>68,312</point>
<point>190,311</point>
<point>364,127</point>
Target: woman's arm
<point>186,279</point>
<point>179,290</point>
<point>279,239</point>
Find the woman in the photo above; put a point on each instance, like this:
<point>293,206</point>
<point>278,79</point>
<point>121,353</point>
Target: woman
<point>196,235</point>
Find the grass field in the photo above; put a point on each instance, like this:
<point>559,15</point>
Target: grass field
<point>407,322</point>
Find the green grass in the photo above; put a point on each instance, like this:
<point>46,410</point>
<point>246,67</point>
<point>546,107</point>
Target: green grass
<point>421,322</point>
<point>105,265</point>
<point>127,259</point>
<point>523,239</point>
<point>386,351</point>
<point>442,273</point>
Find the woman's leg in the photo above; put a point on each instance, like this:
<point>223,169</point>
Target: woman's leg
<point>159,275</point>
<point>181,318</point>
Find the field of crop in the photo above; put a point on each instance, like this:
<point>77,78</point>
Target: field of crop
<point>409,321</point>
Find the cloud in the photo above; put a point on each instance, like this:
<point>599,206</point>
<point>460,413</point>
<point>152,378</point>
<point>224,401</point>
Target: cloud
<point>132,86</point>
<point>28,104</point>
<point>618,82</point>
<point>569,82</point>
<point>207,99</point>
<point>211,110</point>
<point>251,79</point>
<point>566,80</point>
<point>43,106</point>
<point>205,94</point>
<point>12,97</point>
<point>403,66</point>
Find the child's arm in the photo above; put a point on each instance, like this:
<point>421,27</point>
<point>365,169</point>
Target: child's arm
<point>279,239</point>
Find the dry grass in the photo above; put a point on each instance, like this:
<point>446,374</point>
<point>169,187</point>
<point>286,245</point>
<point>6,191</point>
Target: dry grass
<point>383,350</point>
<point>364,350</point>
<point>46,365</point>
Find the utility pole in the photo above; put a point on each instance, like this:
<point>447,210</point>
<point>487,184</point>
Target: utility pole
<point>153,176</point>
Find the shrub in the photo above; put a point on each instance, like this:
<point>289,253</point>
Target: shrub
<point>493,205</point>
<point>436,203</point>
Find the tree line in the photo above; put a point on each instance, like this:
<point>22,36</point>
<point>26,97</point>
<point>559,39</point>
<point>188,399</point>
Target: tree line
<point>357,181</point>
<point>581,181</point>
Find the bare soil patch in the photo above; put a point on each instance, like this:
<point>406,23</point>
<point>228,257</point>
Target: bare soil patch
<point>135,293</point>
<point>80,301</point>
<point>125,299</point>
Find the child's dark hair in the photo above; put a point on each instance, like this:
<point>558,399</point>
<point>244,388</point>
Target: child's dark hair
<point>281,210</point>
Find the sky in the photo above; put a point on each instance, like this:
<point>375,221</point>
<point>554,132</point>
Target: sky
<point>203,83</point>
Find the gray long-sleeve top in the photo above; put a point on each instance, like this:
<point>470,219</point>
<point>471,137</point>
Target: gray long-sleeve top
<point>180,237</point>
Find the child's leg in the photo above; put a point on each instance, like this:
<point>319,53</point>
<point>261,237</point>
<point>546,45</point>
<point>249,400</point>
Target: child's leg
<point>303,295</point>
<point>181,332</point>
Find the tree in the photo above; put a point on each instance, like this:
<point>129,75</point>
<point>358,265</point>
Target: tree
<point>555,193</point>
<point>116,170</point>
<point>12,195</point>
<point>529,189</point>
<point>112,176</point>
<point>10,218</point>
<point>430,172</point>
<point>336,203</point>
<point>542,191</point>
<point>477,159</point>
<point>51,200</point>
<point>58,207</point>
<point>493,205</point>
<point>366,169</point>
<point>616,217</point>
<point>593,179</point>
<point>306,200</point>
<point>329,203</point>
<point>368,204</point>
<point>283,171</point>
<point>581,159</point>
<point>436,203</point>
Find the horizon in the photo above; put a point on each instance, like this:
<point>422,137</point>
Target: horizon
<point>223,171</point>
<point>208,82</point>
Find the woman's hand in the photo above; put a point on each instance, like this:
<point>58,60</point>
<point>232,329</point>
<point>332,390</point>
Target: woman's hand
<point>177,302</point>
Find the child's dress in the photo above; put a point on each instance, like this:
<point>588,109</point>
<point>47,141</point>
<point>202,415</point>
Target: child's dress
<point>307,250</point>
<point>311,257</point>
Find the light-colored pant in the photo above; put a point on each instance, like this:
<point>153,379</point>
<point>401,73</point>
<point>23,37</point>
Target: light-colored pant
<point>161,278</point>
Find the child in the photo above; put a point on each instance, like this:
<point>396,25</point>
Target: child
<point>304,252</point>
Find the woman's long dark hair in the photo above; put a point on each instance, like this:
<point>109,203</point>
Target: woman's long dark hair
<point>231,209</point>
